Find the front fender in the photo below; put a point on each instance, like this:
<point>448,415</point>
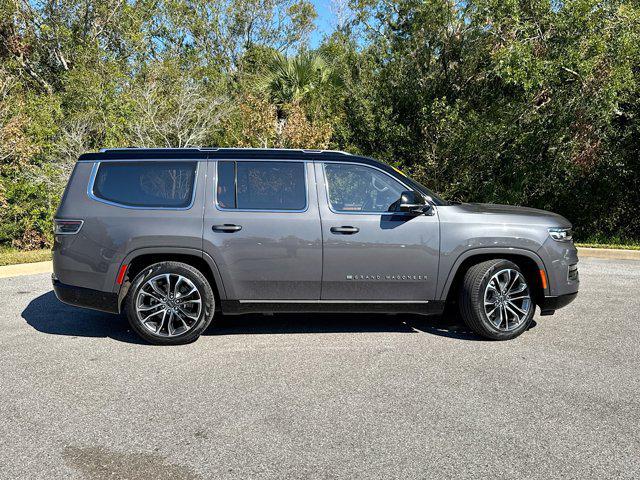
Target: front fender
<point>448,274</point>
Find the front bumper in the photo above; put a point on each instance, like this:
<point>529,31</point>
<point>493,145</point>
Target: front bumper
<point>561,264</point>
<point>549,305</point>
<point>85,297</point>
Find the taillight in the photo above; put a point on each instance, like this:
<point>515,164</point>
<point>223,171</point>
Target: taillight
<point>120,279</point>
<point>66,227</point>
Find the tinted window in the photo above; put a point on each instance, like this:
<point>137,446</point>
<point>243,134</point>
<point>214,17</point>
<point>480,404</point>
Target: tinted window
<point>146,184</point>
<point>356,188</point>
<point>261,185</point>
<point>226,184</point>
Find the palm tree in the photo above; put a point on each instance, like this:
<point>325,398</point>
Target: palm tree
<point>288,80</point>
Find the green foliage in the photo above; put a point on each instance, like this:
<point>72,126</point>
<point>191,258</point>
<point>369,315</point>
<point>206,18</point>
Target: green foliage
<point>292,79</point>
<point>513,102</point>
<point>26,217</point>
<point>11,256</point>
<point>522,102</point>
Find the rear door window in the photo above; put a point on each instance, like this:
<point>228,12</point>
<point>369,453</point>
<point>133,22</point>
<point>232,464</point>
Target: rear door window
<point>261,185</point>
<point>146,184</point>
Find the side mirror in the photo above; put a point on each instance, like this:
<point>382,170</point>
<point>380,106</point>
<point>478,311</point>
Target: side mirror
<point>413,202</point>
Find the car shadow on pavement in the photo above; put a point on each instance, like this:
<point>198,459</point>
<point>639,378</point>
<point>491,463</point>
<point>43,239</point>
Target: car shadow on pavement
<point>48,315</point>
<point>339,323</point>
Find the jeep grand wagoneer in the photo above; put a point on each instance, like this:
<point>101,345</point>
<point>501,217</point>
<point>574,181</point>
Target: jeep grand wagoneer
<point>172,236</point>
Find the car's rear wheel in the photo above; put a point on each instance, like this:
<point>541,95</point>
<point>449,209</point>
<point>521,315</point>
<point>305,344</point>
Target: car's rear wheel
<point>495,300</point>
<point>170,303</point>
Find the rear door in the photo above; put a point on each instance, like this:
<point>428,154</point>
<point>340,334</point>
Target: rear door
<point>371,254</point>
<point>262,227</point>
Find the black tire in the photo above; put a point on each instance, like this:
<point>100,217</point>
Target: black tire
<point>204,290</point>
<point>471,300</point>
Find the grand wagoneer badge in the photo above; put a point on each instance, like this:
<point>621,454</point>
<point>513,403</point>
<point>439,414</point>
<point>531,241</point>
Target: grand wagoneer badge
<point>387,277</point>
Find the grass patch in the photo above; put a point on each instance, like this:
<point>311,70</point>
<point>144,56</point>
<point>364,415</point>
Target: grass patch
<point>610,242</point>
<point>609,245</point>
<point>10,256</point>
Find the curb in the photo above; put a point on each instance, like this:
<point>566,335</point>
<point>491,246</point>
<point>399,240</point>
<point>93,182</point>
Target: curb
<point>26,269</point>
<point>611,253</point>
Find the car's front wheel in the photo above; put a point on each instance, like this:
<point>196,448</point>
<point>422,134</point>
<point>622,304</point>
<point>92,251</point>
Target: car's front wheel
<point>170,303</point>
<point>495,300</point>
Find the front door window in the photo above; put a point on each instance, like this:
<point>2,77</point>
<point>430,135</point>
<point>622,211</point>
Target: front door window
<point>360,189</point>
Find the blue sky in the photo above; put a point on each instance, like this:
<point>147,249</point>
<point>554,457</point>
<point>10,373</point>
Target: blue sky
<point>324,21</point>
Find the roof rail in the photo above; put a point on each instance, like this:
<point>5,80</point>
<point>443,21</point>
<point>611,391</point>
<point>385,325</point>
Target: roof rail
<point>190,151</point>
<point>116,149</point>
<point>213,149</point>
<point>341,152</point>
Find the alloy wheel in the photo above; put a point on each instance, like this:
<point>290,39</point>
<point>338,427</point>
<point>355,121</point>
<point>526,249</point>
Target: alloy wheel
<point>168,305</point>
<point>507,301</point>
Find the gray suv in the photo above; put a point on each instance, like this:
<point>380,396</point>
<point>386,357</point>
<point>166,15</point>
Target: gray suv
<point>172,236</point>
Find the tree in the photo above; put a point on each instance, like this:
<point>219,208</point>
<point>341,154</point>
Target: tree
<point>173,110</point>
<point>291,82</point>
<point>524,102</point>
<point>288,80</point>
<point>506,102</point>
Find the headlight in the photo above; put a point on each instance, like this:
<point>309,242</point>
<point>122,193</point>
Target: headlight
<point>561,234</point>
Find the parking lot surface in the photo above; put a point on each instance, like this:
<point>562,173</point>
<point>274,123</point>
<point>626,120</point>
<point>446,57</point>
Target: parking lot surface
<point>323,396</point>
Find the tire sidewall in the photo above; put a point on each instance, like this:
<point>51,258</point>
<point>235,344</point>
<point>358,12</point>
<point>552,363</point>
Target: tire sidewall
<point>200,282</point>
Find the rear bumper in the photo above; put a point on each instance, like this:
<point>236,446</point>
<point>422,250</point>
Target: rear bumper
<point>85,297</point>
<point>549,305</point>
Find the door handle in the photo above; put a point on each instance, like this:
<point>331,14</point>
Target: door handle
<point>345,230</point>
<point>227,227</point>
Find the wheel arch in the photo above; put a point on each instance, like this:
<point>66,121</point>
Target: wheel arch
<point>141,258</point>
<point>529,262</point>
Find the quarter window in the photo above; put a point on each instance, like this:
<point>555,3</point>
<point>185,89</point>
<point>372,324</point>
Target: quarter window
<point>357,188</point>
<point>261,185</point>
<point>146,184</point>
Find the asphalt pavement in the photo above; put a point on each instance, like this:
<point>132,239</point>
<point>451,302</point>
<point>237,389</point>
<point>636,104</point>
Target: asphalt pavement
<point>323,396</point>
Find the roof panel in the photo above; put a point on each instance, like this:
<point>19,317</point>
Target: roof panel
<point>212,152</point>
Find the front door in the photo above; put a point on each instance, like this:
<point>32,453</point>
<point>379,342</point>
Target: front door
<point>371,254</point>
<point>262,228</point>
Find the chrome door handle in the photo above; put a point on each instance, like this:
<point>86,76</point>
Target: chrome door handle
<point>227,227</point>
<point>345,230</point>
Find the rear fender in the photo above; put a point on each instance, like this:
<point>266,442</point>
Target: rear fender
<point>123,289</point>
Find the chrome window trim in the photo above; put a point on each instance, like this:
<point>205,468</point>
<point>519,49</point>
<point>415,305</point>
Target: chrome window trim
<point>94,173</point>
<point>338,212</point>
<point>222,209</point>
